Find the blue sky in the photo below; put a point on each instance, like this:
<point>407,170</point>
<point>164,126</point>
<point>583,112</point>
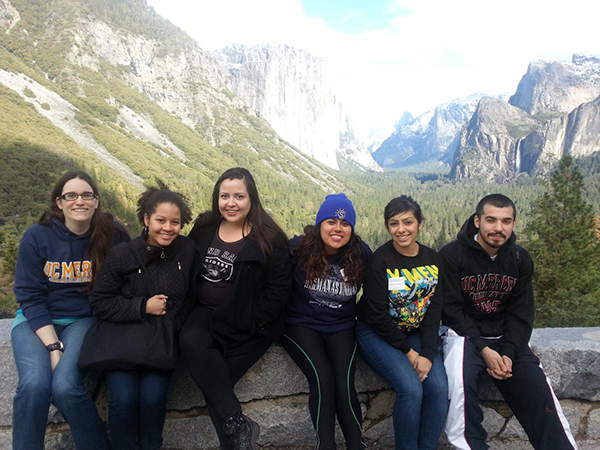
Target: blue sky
<point>385,57</point>
<point>355,16</point>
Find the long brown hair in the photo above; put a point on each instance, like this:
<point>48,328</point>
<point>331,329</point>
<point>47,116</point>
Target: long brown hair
<point>264,229</point>
<point>313,259</point>
<point>101,226</point>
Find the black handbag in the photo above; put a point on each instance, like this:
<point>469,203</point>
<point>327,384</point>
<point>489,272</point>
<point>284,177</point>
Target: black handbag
<point>149,344</point>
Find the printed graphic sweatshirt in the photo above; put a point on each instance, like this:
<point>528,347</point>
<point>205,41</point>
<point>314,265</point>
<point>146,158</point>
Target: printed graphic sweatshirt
<point>54,268</point>
<point>402,295</point>
<point>485,297</point>
<point>327,304</point>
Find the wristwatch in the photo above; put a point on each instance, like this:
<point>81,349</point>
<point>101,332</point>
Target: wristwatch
<point>58,345</point>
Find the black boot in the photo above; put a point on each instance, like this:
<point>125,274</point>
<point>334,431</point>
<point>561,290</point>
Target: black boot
<point>242,431</point>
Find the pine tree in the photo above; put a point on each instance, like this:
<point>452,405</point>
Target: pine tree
<point>564,247</point>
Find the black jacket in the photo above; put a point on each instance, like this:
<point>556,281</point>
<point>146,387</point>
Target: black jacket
<point>121,291</point>
<point>262,289</point>
<point>485,297</point>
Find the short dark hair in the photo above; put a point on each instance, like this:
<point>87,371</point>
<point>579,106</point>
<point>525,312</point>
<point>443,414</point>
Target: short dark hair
<point>402,204</point>
<point>154,196</point>
<point>497,200</point>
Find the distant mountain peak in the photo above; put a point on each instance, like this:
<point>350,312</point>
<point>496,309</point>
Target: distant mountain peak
<point>427,137</point>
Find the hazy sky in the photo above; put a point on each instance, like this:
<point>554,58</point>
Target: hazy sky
<point>389,56</point>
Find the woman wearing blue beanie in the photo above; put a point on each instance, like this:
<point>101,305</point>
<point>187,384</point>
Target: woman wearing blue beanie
<point>329,261</point>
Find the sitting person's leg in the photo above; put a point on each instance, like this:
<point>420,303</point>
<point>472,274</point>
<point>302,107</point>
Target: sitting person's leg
<point>204,360</point>
<point>530,397</point>
<point>342,352</point>
<point>154,385</point>
<point>393,366</point>
<point>434,408</point>
<point>307,349</point>
<point>69,393</point>
<point>216,374</point>
<point>123,407</point>
<point>32,399</point>
<point>463,364</point>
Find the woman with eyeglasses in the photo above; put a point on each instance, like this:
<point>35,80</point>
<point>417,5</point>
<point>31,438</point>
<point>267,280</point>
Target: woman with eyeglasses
<point>56,266</point>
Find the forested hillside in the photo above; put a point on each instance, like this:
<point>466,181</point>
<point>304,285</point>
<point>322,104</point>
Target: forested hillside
<point>110,87</point>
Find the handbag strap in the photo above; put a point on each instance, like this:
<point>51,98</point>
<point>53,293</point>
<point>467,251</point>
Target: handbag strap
<point>148,280</point>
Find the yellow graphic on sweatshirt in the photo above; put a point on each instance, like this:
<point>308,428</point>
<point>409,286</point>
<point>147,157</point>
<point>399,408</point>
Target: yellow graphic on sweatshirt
<point>409,293</point>
<point>68,272</point>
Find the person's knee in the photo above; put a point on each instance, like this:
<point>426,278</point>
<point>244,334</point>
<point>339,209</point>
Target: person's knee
<point>155,401</point>
<point>124,401</point>
<point>34,385</point>
<point>192,340</point>
<point>65,390</point>
<point>410,390</point>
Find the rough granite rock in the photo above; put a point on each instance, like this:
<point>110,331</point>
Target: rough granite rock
<point>274,393</point>
<point>593,424</point>
<point>554,86</point>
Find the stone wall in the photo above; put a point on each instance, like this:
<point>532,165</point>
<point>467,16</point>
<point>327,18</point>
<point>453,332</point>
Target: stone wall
<point>274,393</point>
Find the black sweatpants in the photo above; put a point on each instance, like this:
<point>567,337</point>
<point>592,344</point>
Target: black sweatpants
<point>214,373</point>
<point>328,361</point>
<point>528,394</point>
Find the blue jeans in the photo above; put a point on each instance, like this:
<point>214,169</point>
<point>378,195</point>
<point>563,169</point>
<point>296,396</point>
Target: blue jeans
<point>420,409</point>
<point>39,385</point>
<point>137,408</point>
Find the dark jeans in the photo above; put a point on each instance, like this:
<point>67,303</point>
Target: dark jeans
<point>420,408</point>
<point>328,361</point>
<point>214,372</point>
<point>39,385</point>
<point>137,408</point>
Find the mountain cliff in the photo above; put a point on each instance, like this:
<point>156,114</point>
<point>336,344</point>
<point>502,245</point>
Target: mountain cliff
<point>427,137</point>
<point>558,87</point>
<point>488,145</point>
<point>289,88</point>
<point>111,85</point>
<point>555,111</point>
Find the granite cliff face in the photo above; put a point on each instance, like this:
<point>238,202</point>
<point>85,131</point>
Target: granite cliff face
<point>555,111</point>
<point>488,145</point>
<point>120,88</point>
<point>558,87</point>
<point>289,88</point>
<point>427,137</point>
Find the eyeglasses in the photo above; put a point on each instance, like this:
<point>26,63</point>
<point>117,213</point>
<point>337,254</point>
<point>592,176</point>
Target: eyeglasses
<point>72,196</point>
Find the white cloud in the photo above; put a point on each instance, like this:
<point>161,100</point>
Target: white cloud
<point>442,50</point>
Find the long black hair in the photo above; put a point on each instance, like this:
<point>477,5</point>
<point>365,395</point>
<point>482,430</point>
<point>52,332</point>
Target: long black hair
<point>313,259</point>
<point>101,226</point>
<point>264,229</point>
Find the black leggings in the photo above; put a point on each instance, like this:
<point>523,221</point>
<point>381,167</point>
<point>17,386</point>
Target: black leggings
<point>328,361</point>
<point>214,373</point>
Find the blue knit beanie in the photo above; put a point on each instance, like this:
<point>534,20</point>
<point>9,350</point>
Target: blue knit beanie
<point>337,206</point>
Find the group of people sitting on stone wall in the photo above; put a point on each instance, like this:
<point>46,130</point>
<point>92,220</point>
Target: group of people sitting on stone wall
<point>428,323</point>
